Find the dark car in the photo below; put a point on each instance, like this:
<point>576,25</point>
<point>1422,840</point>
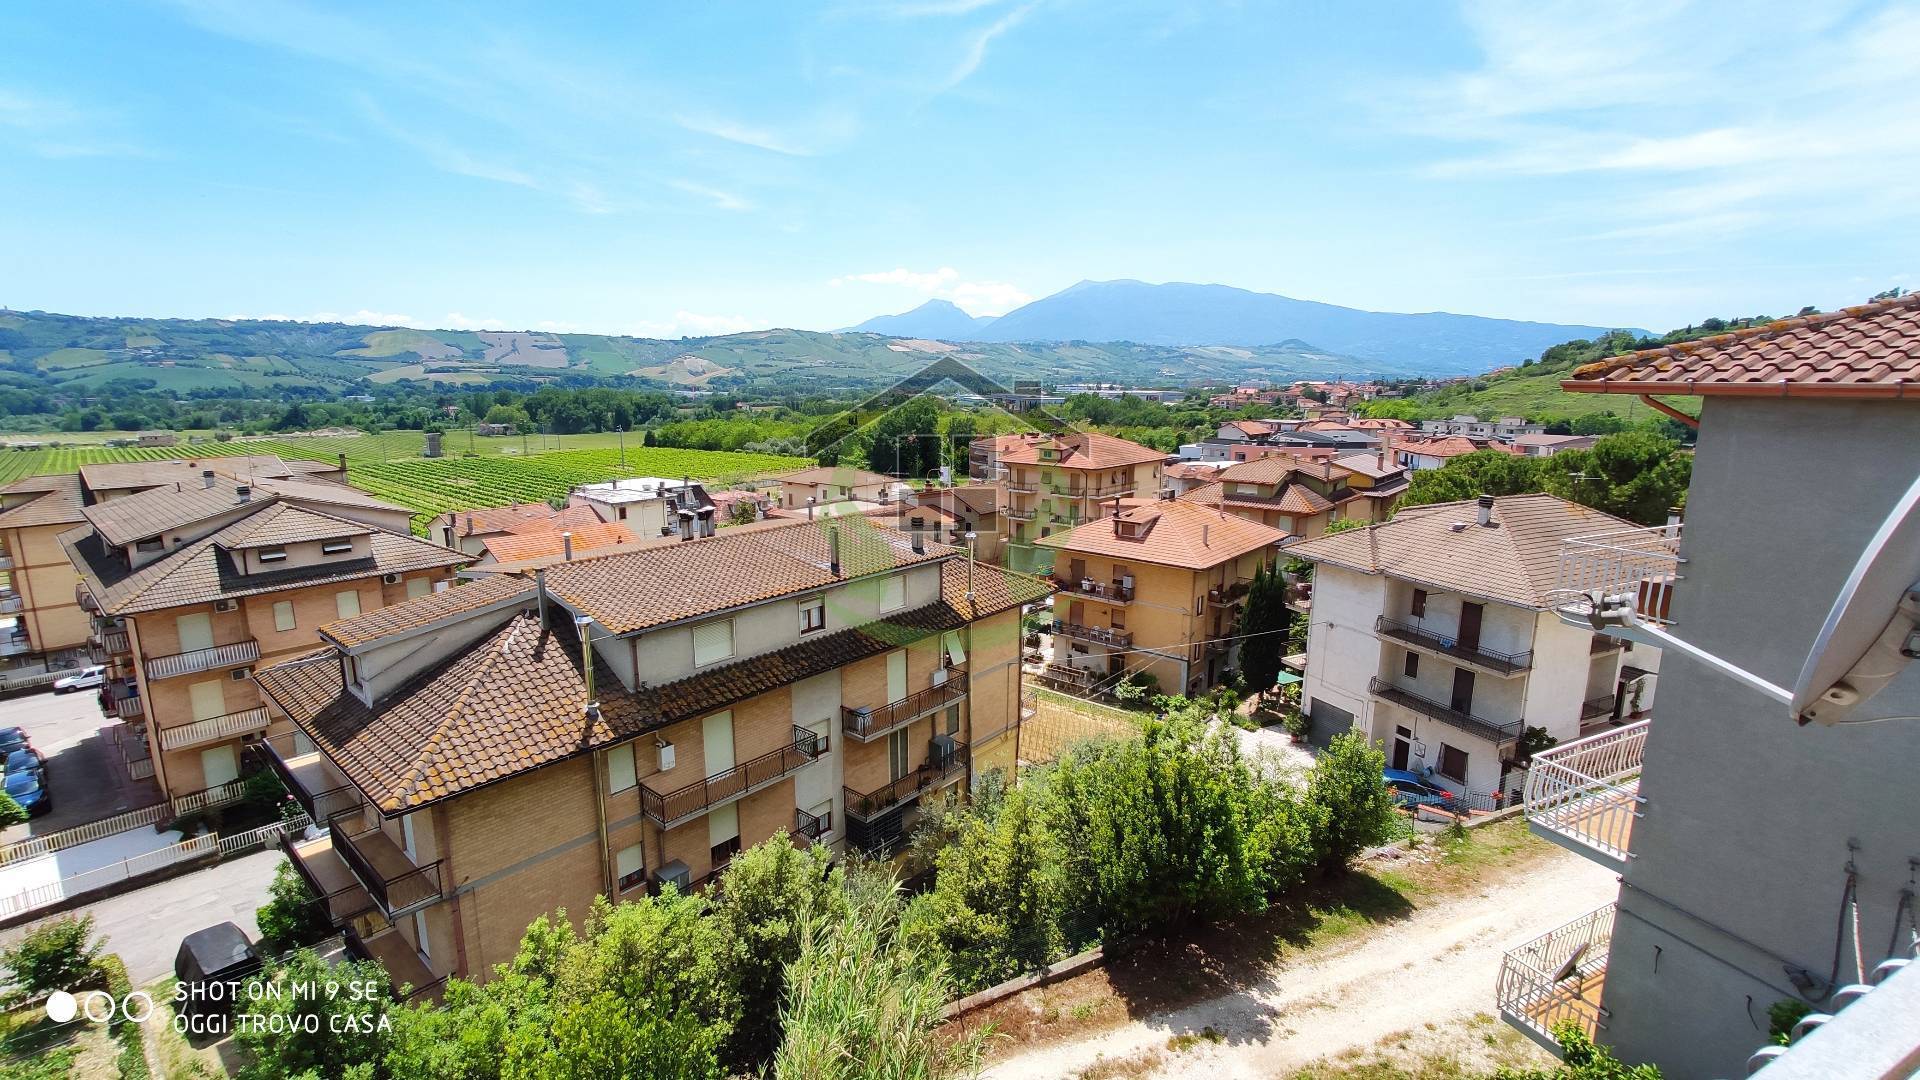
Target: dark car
<point>1410,790</point>
<point>211,966</point>
<point>29,789</point>
<point>26,759</point>
<point>12,739</point>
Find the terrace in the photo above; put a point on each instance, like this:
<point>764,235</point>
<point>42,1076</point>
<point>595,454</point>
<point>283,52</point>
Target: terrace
<point>395,883</point>
<point>1099,635</point>
<point>1637,566</point>
<point>1585,795</point>
<point>198,660</point>
<point>1498,734</point>
<point>669,808</point>
<point>309,777</point>
<point>213,729</point>
<point>1104,591</point>
<point>1492,661</point>
<point>1558,977</point>
<point>867,724</point>
<point>1229,594</point>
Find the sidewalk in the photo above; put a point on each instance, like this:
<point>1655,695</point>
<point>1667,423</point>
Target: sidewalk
<point>51,868</point>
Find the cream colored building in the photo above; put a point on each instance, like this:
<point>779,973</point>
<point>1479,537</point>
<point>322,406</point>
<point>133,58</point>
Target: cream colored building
<point>1055,483</point>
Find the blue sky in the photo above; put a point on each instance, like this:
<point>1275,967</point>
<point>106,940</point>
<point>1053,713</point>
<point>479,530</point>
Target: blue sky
<point>663,168</point>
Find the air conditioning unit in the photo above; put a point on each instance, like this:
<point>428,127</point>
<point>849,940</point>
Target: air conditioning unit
<point>226,605</point>
<point>941,748</point>
<point>674,873</point>
<point>242,674</point>
<point>390,579</point>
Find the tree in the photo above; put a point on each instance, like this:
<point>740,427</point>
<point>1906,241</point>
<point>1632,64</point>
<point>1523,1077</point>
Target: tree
<point>768,895</point>
<point>1350,802</point>
<point>317,1020</point>
<point>1264,619</point>
<point>511,415</point>
<point>744,512</point>
<point>905,440</point>
<point>292,915</point>
<point>1483,472</point>
<point>1635,475</point>
<point>56,955</point>
<point>993,909</point>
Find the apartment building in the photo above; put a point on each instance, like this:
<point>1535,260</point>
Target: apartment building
<point>1436,451</point>
<point>1436,635</point>
<point>973,508</point>
<point>1760,861</point>
<point>1549,445</point>
<point>823,485</point>
<point>1302,497</point>
<point>651,506</point>
<point>825,678</point>
<point>469,530</point>
<point>194,585</point>
<point>1153,586</point>
<point>1056,482</point>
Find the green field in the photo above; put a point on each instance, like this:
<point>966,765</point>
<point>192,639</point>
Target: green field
<point>390,467</point>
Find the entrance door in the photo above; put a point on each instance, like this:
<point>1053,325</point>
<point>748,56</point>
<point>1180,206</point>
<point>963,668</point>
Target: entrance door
<point>1402,747</point>
<point>1470,625</point>
<point>1462,690</point>
<point>217,766</point>
<point>897,750</point>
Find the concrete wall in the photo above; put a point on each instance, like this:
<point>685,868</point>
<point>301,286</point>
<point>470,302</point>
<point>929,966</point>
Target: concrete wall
<point>1748,816</point>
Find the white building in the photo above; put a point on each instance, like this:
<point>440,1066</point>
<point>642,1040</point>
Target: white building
<point>1543,445</point>
<point>650,505</point>
<point>1433,633</point>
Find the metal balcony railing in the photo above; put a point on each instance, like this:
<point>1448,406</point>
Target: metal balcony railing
<point>937,769</point>
<point>1491,660</point>
<point>192,663</point>
<point>213,729</point>
<point>869,724</point>
<point>129,707</point>
<point>310,777</point>
<point>1110,592</point>
<point>1229,594</point>
<point>1067,677</point>
<point>81,595</point>
<point>1558,977</point>
<point>395,883</point>
<point>1498,734</point>
<point>1099,635</point>
<point>808,827</point>
<point>1595,708</point>
<point>1020,515</point>
<point>1639,565</point>
<point>669,808</point>
<point>1585,795</point>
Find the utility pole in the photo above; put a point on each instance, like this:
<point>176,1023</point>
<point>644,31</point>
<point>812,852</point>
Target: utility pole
<point>623,448</point>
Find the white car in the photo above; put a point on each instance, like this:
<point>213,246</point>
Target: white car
<point>86,678</point>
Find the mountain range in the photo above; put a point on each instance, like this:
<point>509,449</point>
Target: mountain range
<point>1182,314</point>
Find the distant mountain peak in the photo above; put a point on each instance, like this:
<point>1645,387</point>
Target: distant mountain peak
<point>938,319</point>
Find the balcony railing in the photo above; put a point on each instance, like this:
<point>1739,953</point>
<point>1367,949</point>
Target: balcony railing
<point>1558,977</point>
<point>1229,594</point>
<point>1596,708</point>
<point>1498,734</point>
<point>1099,635</point>
<point>937,769</point>
<point>1067,677</point>
<point>669,808</point>
<point>11,603</point>
<point>139,760</point>
<point>1585,795</point>
<point>15,644</point>
<point>1109,592</point>
<point>81,595</point>
<point>192,663</point>
<point>1019,515</point>
<point>1491,660</point>
<point>870,724</point>
<point>1637,565</point>
<point>808,827</point>
<point>213,729</point>
<point>395,883</point>
<point>127,708</point>
<point>309,777</point>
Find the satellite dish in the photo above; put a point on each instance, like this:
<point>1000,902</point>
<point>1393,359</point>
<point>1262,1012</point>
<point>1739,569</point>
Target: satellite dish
<point>1873,630</point>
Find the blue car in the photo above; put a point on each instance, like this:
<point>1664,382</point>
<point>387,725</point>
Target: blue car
<point>29,789</point>
<point>26,760</point>
<point>1410,790</point>
<point>12,739</point>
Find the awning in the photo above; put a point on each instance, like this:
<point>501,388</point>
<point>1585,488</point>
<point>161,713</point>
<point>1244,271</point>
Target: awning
<point>1287,678</point>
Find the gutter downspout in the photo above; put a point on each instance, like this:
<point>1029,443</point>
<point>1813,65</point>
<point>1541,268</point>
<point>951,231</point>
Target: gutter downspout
<point>1662,407</point>
<point>597,760</point>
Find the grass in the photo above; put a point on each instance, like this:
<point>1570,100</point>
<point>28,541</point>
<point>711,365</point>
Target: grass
<point>1474,1050</point>
<point>1540,395</point>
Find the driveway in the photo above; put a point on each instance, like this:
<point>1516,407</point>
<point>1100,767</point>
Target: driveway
<point>85,771</point>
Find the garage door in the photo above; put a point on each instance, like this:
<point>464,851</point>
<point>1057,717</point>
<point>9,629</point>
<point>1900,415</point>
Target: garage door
<point>1326,721</point>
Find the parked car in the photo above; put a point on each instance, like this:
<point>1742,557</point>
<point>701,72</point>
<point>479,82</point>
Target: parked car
<point>211,965</point>
<point>12,739</point>
<point>26,759</point>
<point>87,678</point>
<point>1410,790</point>
<point>29,789</point>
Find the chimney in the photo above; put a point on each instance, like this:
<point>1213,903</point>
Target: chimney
<point>206,478</point>
<point>919,541</point>
<point>244,493</point>
<point>1386,450</point>
<point>584,625</point>
<point>833,549</point>
<point>343,464</point>
<point>469,524</point>
<point>1486,511</point>
<point>1206,534</point>
<point>809,508</point>
<point>566,547</point>
<point>540,590</point>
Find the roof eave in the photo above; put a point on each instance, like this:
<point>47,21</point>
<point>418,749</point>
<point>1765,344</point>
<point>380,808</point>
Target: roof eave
<point>1694,388</point>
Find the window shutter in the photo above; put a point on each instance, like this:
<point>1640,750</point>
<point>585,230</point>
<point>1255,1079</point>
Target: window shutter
<point>620,771</point>
<point>723,824</point>
<point>283,615</point>
<point>712,642</point>
<point>956,655</point>
<point>893,593</point>
<point>347,603</point>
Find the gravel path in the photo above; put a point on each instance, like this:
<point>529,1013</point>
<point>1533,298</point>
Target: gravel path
<point>1436,968</point>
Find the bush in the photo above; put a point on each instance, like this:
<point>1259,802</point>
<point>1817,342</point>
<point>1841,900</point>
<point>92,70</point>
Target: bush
<point>347,1036</point>
<point>994,905</point>
<point>57,955</point>
<point>768,895</point>
<point>1581,1059</point>
<point>291,917</point>
<point>11,812</point>
<point>1352,808</point>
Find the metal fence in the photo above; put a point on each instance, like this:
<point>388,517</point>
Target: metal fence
<point>100,877</point>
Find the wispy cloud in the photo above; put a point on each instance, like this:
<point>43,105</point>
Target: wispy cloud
<point>694,324</point>
<point>744,135</point>
<point>53,128</point>
<point>722,200</point>
<point>981,41</point>
<point>978,297</point>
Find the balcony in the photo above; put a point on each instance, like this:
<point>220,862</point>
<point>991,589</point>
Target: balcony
<point>867,724</point>
<point>1107,592</point>
<point>810,828</point>
<point>81,595</point>
<point>138,759</point>
<point>1228,595</point>
<point>1099,635</point>
<point>1491,661</point>
<point>310,778</point>
<point>1640,566</point>
<point>15,644</point>
<point>670,808</point>
<point>412,979</point>
<point>1499,734</point>
<point>11,603</point>
<point>1020,515</point>
<point>341,897</point>
<point>214,729</point>
<point>1598,708</point>
<point>199,660</point>
<point>1558,977</point>
<point>1585,795</point>
<point>123,699</point>
<point>1024,487</point>
<point>396,885</point>
<point>871,826</point>
<point>1068,678</point>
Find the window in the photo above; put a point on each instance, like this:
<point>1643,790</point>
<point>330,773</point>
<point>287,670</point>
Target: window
<point>712,642</point>
<point>620,770</point>
<point>1418,609</point>
<point>283,615</point>
<point>723,852</point>
<point>335,547</point>
<point>152,543</point>
<point>824,811</point>
<point>893,593</point>
<point>631,864</point>
<point>418,587</point>
<point>1453,763</point>
<point>723,833</point>
<point>813,615</point>
<point>346,604</point>
<point>274,554</point>
<point>1413,664</point>
<point>898,747</point>
<point>953,719</point>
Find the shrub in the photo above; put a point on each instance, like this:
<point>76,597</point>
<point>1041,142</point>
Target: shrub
<point>768,894</point>
<point>57,955</point>
<point>1581,1059</point>
<point>291,917</point>
<point>1349,800</point>
<point>11,812</point>
<point>345,1036</point>
<point>993,909</point>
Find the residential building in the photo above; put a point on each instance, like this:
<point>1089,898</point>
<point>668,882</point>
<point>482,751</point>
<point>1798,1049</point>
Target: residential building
<point>1505,429</point>
<point>1786,871</point>
<point>983,454</point>
<point>1153,586</point>
<point>1540,445</point>
<point>469,530</point>
<point>1188,475</point>
<point>1435,452</point>
<point>1056,482</point>
<point>1301,498</point>
<point>555,545</point>
<point>196,585</point>
<point>158,438</point>
<point>819,678</point>
<point>726,504</point>
<point>822,485</point>
<point>976,509</point>
<point>1435,635</point>
<point>651,506</point>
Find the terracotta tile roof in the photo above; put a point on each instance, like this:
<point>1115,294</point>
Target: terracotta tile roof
<point>1279,468</point>
<point>1192,470</point>
<point>894,513</point>
<point>1169,532</point>
<point>1452,446</point>
<point>1253,429</point>
<point>1367,464</point>
<point>493,519</point>
<point>832,474</point>
<point>324,493</point>
<point>203,571</point>
<point>1293,499</point>
<point>512,702</point>
<point>1568,441</point>
<point>569,518</point>
<point>979,499</point>
<point>1868,351</point>
<point>147,513</point>
<point>1515,562</point>
<point>111,475</point>
<point>742,565</point>
<point>282,523</point>
<point>1082,450</point>
<point>519,547</point>
<point>427,610</point>
<point>56,501</point>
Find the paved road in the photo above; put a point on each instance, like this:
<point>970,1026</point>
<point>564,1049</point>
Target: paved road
<point>84,769</point>
<point>146,926</point>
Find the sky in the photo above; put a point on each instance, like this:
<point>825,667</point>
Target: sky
<point>674,168</point>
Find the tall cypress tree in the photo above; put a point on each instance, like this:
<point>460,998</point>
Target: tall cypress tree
<point>1263,622</point>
